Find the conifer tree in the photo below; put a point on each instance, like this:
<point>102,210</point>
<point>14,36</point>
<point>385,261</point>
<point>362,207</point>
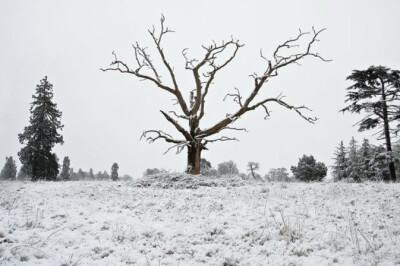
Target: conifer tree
<point>91,175</point>
<point>308,169</point>
<point>9,171</point>
<point>81,174</point>
<point>353,166</point>
<point>105,176</point>
<point>365,153</point>
<point>114,172</point>
<point>376,92</point>
<point>65,171</point>
<point>340,167</point>
<point>379,163</point>
<point>396,155</point>
<point>41,135</point>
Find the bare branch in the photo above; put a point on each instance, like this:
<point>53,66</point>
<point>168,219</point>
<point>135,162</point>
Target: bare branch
<point>179,144</point>
<point>223,138</point>
<point>177,126</point>
<point>125,69</point>
<point>209,59</point>
<point>179,147</point>
<point>237,129</point>
<point>236,97</point>
<point>179,116</point>
<point>297,109</point>
<point>159,135</point>
<point>157,40</point>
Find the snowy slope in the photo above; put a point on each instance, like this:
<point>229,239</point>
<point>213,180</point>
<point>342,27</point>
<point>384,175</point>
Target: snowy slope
<point>115,223</point>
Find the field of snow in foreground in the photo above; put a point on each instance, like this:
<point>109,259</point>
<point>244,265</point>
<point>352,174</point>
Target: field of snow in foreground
<point>116,223</point>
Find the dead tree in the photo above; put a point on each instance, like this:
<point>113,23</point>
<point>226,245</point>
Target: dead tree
<point>205,70</point>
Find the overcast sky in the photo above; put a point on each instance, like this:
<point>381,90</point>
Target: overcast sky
<point>105,113</point>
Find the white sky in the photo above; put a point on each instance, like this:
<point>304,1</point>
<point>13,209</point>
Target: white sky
<point>105,113</point>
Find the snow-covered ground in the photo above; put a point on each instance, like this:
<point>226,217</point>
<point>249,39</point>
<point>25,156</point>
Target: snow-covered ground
<point>245,223</point>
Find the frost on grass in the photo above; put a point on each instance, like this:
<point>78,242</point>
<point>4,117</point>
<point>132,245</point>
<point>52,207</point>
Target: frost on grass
<point>220,222</point>
<point>183,180</point>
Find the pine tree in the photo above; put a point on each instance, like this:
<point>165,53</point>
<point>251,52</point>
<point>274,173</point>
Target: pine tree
<point>81,174</point>
<point>353,165</point>
<point>91,175</point>
<point>99,176</point>
<point>72,174</point>
<point>379,163</point>
<point>9,171</point>
<point>65,171</point>
<point>114,172</point>
<point>105,176</point>
<point>340,167</point>
<point>41,135</point>
<point>365,154</point>
<point>376,92</point>
<point>396,155</point>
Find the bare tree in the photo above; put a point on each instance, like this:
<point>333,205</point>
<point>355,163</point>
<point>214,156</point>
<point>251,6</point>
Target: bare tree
<point>252,167</point>
<point>204,71</point>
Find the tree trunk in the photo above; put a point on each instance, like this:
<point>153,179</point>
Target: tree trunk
<point>194,156</point>
<point>387,135</point>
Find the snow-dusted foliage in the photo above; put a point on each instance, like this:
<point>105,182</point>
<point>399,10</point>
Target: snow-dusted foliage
<point>277,175</point>
<point>9,171</point>
<point>227,168</point>
<point>65,170</point>
<point>108,223</point>
<point>40,136</point>
<point>114,172</point>
<point>339,171</point>
<point>353,161</point>
<point>368,162</point>
<point>308,169</point>
<point>375,93</point>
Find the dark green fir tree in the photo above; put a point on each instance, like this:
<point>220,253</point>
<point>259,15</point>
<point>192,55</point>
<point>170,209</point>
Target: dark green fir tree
<point>9,171</point>
<point>114,172</point>
<point>41,135</point>
<point>65,170</point>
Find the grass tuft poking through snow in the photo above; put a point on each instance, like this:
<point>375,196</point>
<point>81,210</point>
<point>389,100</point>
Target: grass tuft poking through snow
<point>184,220</point>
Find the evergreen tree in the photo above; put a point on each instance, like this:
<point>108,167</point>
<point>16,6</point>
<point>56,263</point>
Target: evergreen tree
<point>23,173</point>
<point>9,171</point>
<point>206,168</point>
<point>308,169</point>
<point>114,172</point>
<point>396,155</point>
<point>91,175</point>
<point>81,174</point>
<point>365,153</point>
<point>353,165</point>
<point>105,176</point>
<point>65,170</point>
<point>41,135</point>
<point>99,176</point>
<point>340,167</point>
<point>73,175</point>
<point>376,92</point>
<point>379,163</point>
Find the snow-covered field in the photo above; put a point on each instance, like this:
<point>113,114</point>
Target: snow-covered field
<point>117,223</point>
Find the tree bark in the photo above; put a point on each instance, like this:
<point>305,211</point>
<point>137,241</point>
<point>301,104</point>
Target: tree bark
<point>194,156</point>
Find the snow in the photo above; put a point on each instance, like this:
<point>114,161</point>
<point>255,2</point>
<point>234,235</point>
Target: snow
<point>211,223</point>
